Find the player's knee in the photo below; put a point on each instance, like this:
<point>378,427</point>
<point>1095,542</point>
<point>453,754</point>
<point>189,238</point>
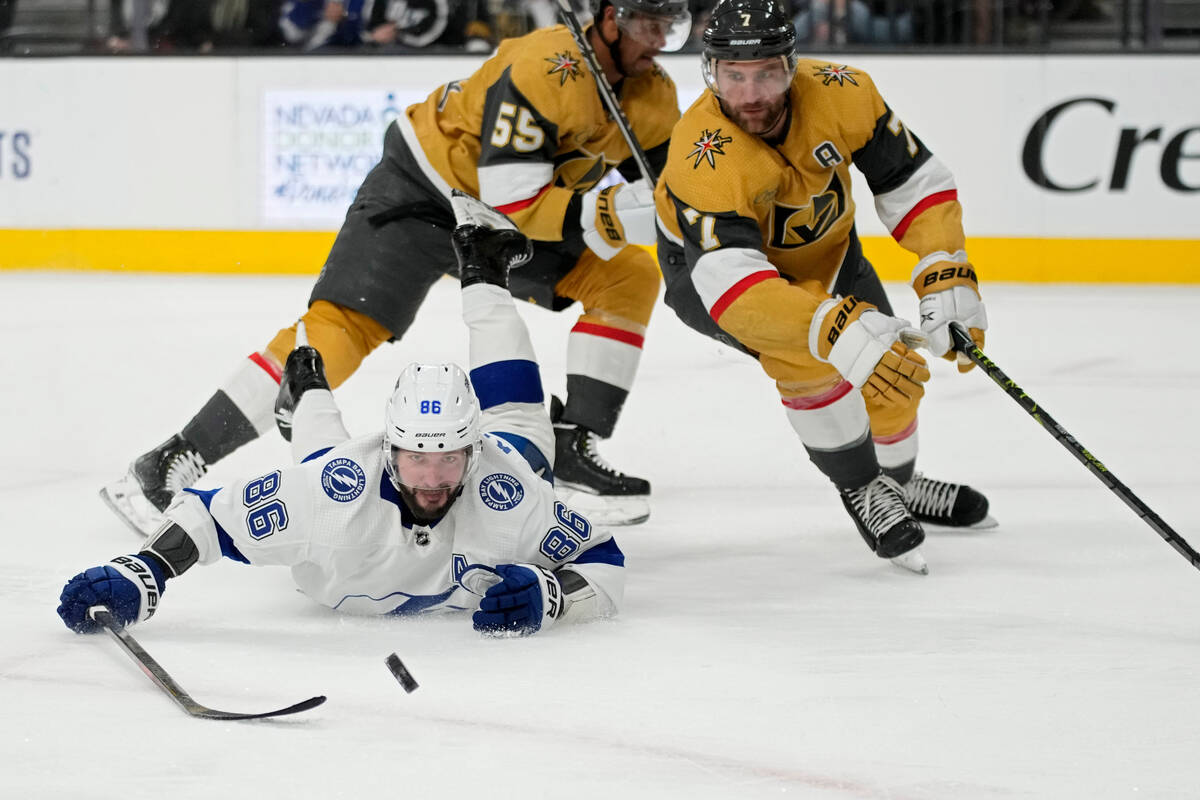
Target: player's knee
<point>344,337</point>
<point>633,286</point>
<point>889,421</point>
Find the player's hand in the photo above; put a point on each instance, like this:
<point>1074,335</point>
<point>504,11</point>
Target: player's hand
<point>959,304</point>
<point>526,599</point>
<point>617,216</point>
<point>864,345</point>
<point>129,586</point>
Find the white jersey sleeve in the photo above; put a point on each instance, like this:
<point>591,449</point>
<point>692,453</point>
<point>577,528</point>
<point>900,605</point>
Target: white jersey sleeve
<point>316,425</point>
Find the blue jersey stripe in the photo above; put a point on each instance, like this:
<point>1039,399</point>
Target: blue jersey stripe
<point>604,553</point>
<point>513,381</point>
<point>228,548</point>
<point>530,452</point>
<point>316,455</point>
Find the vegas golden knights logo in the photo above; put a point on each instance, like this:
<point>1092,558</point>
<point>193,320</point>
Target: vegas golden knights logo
<point>793,227</point>
<point>578,170</point>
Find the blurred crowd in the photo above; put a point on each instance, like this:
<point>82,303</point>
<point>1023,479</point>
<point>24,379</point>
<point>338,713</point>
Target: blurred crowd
<point>477,25</point>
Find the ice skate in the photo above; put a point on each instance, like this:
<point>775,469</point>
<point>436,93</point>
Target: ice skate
<point>951,505</point>
<point>584,481</point>
<point>141,495</point>
<point>486,242</point>
<point>886,525</point>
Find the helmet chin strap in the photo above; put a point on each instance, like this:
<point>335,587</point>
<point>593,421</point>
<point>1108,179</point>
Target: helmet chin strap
<point>614,49</point>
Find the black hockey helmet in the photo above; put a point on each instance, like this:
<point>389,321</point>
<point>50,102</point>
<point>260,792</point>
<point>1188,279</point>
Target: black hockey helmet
<point>657,8</point>
<point>668,22</point>
<point>748,30</point>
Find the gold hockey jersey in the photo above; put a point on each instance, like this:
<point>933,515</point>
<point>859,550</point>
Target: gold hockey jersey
<point>528,129</point>
<point>765,228</point>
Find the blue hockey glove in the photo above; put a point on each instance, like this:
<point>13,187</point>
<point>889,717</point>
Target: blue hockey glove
<point>128,585</point>
<point>526,599</point>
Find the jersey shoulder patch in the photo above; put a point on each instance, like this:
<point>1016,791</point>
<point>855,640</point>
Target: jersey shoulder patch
<point>343,479</point>
<point>715,166</point>
<point>839,100</point>
<point>501,491</point>
<point>831,73</point>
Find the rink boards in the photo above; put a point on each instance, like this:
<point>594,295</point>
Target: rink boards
<point>1069,168</point>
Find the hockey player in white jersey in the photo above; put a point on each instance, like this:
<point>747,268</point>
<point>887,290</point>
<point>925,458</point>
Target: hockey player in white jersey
<point>452,508</point>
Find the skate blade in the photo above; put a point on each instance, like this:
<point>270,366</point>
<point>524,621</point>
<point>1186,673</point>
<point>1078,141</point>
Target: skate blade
<point>984,524</point>
<point>605,510</point>
<point>142,524</point>
<point>912,561</point>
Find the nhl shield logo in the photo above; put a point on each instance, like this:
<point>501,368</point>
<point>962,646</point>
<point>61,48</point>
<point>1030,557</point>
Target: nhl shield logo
<point>343,480</point>
<point>501,491</point>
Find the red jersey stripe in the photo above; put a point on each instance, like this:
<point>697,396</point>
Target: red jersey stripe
<point>935,199</point>
<point>593,329</point>
<point>737,290</point>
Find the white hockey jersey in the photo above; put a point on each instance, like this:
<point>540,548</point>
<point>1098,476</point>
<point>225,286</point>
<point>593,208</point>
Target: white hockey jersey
<point>339,523</point>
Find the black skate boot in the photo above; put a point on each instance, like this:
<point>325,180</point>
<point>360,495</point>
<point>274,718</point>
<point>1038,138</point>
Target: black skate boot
<point>304,370</point>
<point>154,478</point>
<point>586,482</point>
<point>953,505</point>
<point>486,242</point>
<point>886,525</point>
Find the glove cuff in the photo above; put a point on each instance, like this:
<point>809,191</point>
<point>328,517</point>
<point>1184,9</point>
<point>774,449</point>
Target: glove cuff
<point>601,227</point>
<point>554,603</point>
<point>942,270</point>
<point>147,577</point>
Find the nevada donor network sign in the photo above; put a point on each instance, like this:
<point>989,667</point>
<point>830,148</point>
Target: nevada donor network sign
<point>317,148</point>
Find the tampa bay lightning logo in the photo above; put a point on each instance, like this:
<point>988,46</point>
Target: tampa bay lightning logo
<point>343,480</point>
<point>501,492</point>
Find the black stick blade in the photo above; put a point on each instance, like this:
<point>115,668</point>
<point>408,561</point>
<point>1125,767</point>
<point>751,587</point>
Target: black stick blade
<point>200,711</point>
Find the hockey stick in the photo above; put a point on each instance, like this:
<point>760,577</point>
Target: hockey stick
<point>164,681</point>
<point>965,345</point>
<point>606,91</point>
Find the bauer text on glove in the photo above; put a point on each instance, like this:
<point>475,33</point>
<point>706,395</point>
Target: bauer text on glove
<point>863,344</point>
<point>617,216</point>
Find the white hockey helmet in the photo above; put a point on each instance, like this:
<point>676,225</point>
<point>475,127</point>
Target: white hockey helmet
<point>432,410</point>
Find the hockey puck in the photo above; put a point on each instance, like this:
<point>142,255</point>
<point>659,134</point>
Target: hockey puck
<point>401,673</point>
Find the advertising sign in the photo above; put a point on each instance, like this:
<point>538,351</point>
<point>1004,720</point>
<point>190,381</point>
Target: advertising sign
<point>317,148</point>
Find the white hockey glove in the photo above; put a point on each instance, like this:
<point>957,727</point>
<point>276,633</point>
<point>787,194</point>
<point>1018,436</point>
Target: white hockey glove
<point>526,600</point>
<point>865,346</point>
<point>959,304</point>
<point>617,216</point>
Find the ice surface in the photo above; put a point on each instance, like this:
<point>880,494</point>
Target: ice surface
<point>762,652</point>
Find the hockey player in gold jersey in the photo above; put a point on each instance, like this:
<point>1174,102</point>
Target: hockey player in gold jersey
<point>758,247</point>
<point>528,134</point>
